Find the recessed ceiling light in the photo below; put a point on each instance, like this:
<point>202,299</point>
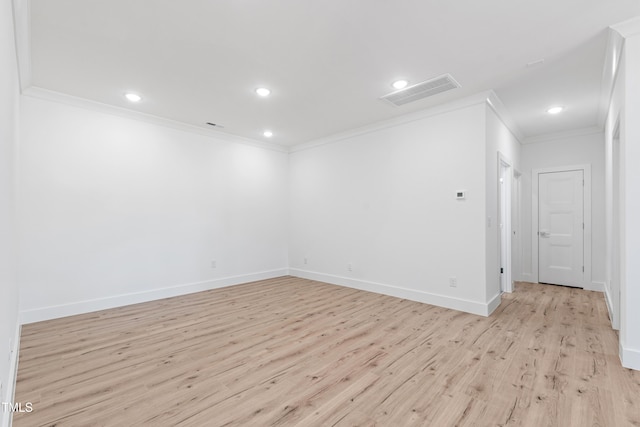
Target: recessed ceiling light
<point>263,91</point>
<point>268,133</point>
<point>133,97</point>
<point>400,84</point>
<point>555,110</point>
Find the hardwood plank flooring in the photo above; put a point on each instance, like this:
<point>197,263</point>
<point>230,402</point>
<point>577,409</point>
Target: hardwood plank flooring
<point>290,351</point>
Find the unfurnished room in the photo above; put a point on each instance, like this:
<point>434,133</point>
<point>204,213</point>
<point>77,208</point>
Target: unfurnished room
<point>319,213</point>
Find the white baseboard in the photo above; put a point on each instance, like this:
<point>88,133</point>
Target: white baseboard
<point>473,307</point>
<point>494,303</point>
<point>615,322</point>
<point>630,357</point>
<point>6,418</point>
<point>607,300</point>
<point>594,286</point>
<point>81,307</point>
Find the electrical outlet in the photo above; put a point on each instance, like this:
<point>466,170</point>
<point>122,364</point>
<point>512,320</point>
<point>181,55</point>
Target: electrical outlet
<point>350,267</point>
<point>453,282</point>
<point>305,260</point>
<point>214,264</point>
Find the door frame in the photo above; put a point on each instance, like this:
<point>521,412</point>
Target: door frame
<point>516,226</point>
<point>586,173</point>
<point>505,173</point>
<point>614,225</point>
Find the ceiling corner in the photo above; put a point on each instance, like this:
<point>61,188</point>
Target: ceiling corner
<point>628,28</point>
<point>609,72</point>
<point>22,31</point>
<point>498,107</point>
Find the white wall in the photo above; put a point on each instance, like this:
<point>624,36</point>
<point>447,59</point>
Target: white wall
<point>499,140</point>
<point>625,105</point>
<point>384,202</point>
<point>115,210</point>
<point>568,151</point>
<point>9,109</point>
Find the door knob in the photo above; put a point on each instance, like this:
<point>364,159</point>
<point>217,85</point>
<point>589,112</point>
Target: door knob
<point>544,234</point>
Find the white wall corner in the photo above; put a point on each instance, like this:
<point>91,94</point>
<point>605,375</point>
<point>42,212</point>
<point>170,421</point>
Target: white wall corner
<point>459,304</point>
<point>22,32</point>
<point>10,388</point>
<point>495,103</point>
<point>609,302</point>
<point>609,74</point>
<point>88,306</point>
<point>493,304</point>
<point>630,357</point>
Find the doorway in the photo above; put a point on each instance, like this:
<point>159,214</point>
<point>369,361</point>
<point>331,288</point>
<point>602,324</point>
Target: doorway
<point>562,226</point>
<point>504,223</point>
<point>516,226</point>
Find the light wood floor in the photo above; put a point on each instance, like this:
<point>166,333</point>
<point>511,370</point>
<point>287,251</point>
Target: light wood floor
<point>295,352</point>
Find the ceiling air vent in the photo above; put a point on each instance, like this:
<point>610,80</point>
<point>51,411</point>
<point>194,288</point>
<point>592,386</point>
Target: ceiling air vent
<point>421,90</point>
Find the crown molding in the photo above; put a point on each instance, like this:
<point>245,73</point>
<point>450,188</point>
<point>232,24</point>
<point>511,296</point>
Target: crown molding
<point>22,36</point>
<point>563,135</point>
<point>628,28</point>
<point>495,103</point>
<point>479,98</point>
<point>52,96</point>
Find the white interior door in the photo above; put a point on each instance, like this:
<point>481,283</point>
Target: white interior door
<point>561,228</point>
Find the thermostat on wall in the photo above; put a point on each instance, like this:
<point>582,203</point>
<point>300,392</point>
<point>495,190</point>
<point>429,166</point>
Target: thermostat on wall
<point>460,195</point>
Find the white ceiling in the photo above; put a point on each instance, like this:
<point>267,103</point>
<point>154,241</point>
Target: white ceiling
<point>327,62</point>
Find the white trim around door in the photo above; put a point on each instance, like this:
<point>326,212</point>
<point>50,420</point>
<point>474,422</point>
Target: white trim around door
<point>505,212</point>
<point>586,169</point>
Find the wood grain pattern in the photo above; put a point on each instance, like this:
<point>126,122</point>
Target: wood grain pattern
<point>290,351</point>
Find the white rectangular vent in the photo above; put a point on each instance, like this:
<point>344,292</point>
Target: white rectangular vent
<point>422,90</point>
